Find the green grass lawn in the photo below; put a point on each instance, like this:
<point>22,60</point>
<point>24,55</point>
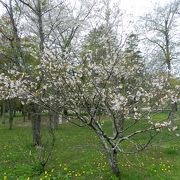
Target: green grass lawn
<point>78,155</point>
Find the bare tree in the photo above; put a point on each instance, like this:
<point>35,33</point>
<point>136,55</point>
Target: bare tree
<point>162,30</point>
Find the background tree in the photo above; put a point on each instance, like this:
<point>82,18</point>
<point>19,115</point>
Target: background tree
<point>161,30</point>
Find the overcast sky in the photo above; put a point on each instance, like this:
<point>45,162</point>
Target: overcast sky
<point>136,7</point>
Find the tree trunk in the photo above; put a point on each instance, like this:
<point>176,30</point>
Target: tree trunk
<point>24,114</point>
<point>172,115</point>
<point>111,153</point>
<point>14,113</point>
<point>3,112</point>
<point>24,117</point>
<point>10,119</point>
<point>10,113</point>
<point>29,116</point>
<point>64,115</point>
<point>56,120</point>
<point>173,105</point>
<point>114,163</point>
<point>53,120</point>
<point>36,124</point>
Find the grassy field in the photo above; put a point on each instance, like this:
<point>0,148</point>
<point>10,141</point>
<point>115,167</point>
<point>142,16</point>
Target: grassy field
<point>78,155</point>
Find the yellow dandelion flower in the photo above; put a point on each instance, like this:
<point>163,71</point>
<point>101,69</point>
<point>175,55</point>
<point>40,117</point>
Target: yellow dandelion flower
<point>5,177</point>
